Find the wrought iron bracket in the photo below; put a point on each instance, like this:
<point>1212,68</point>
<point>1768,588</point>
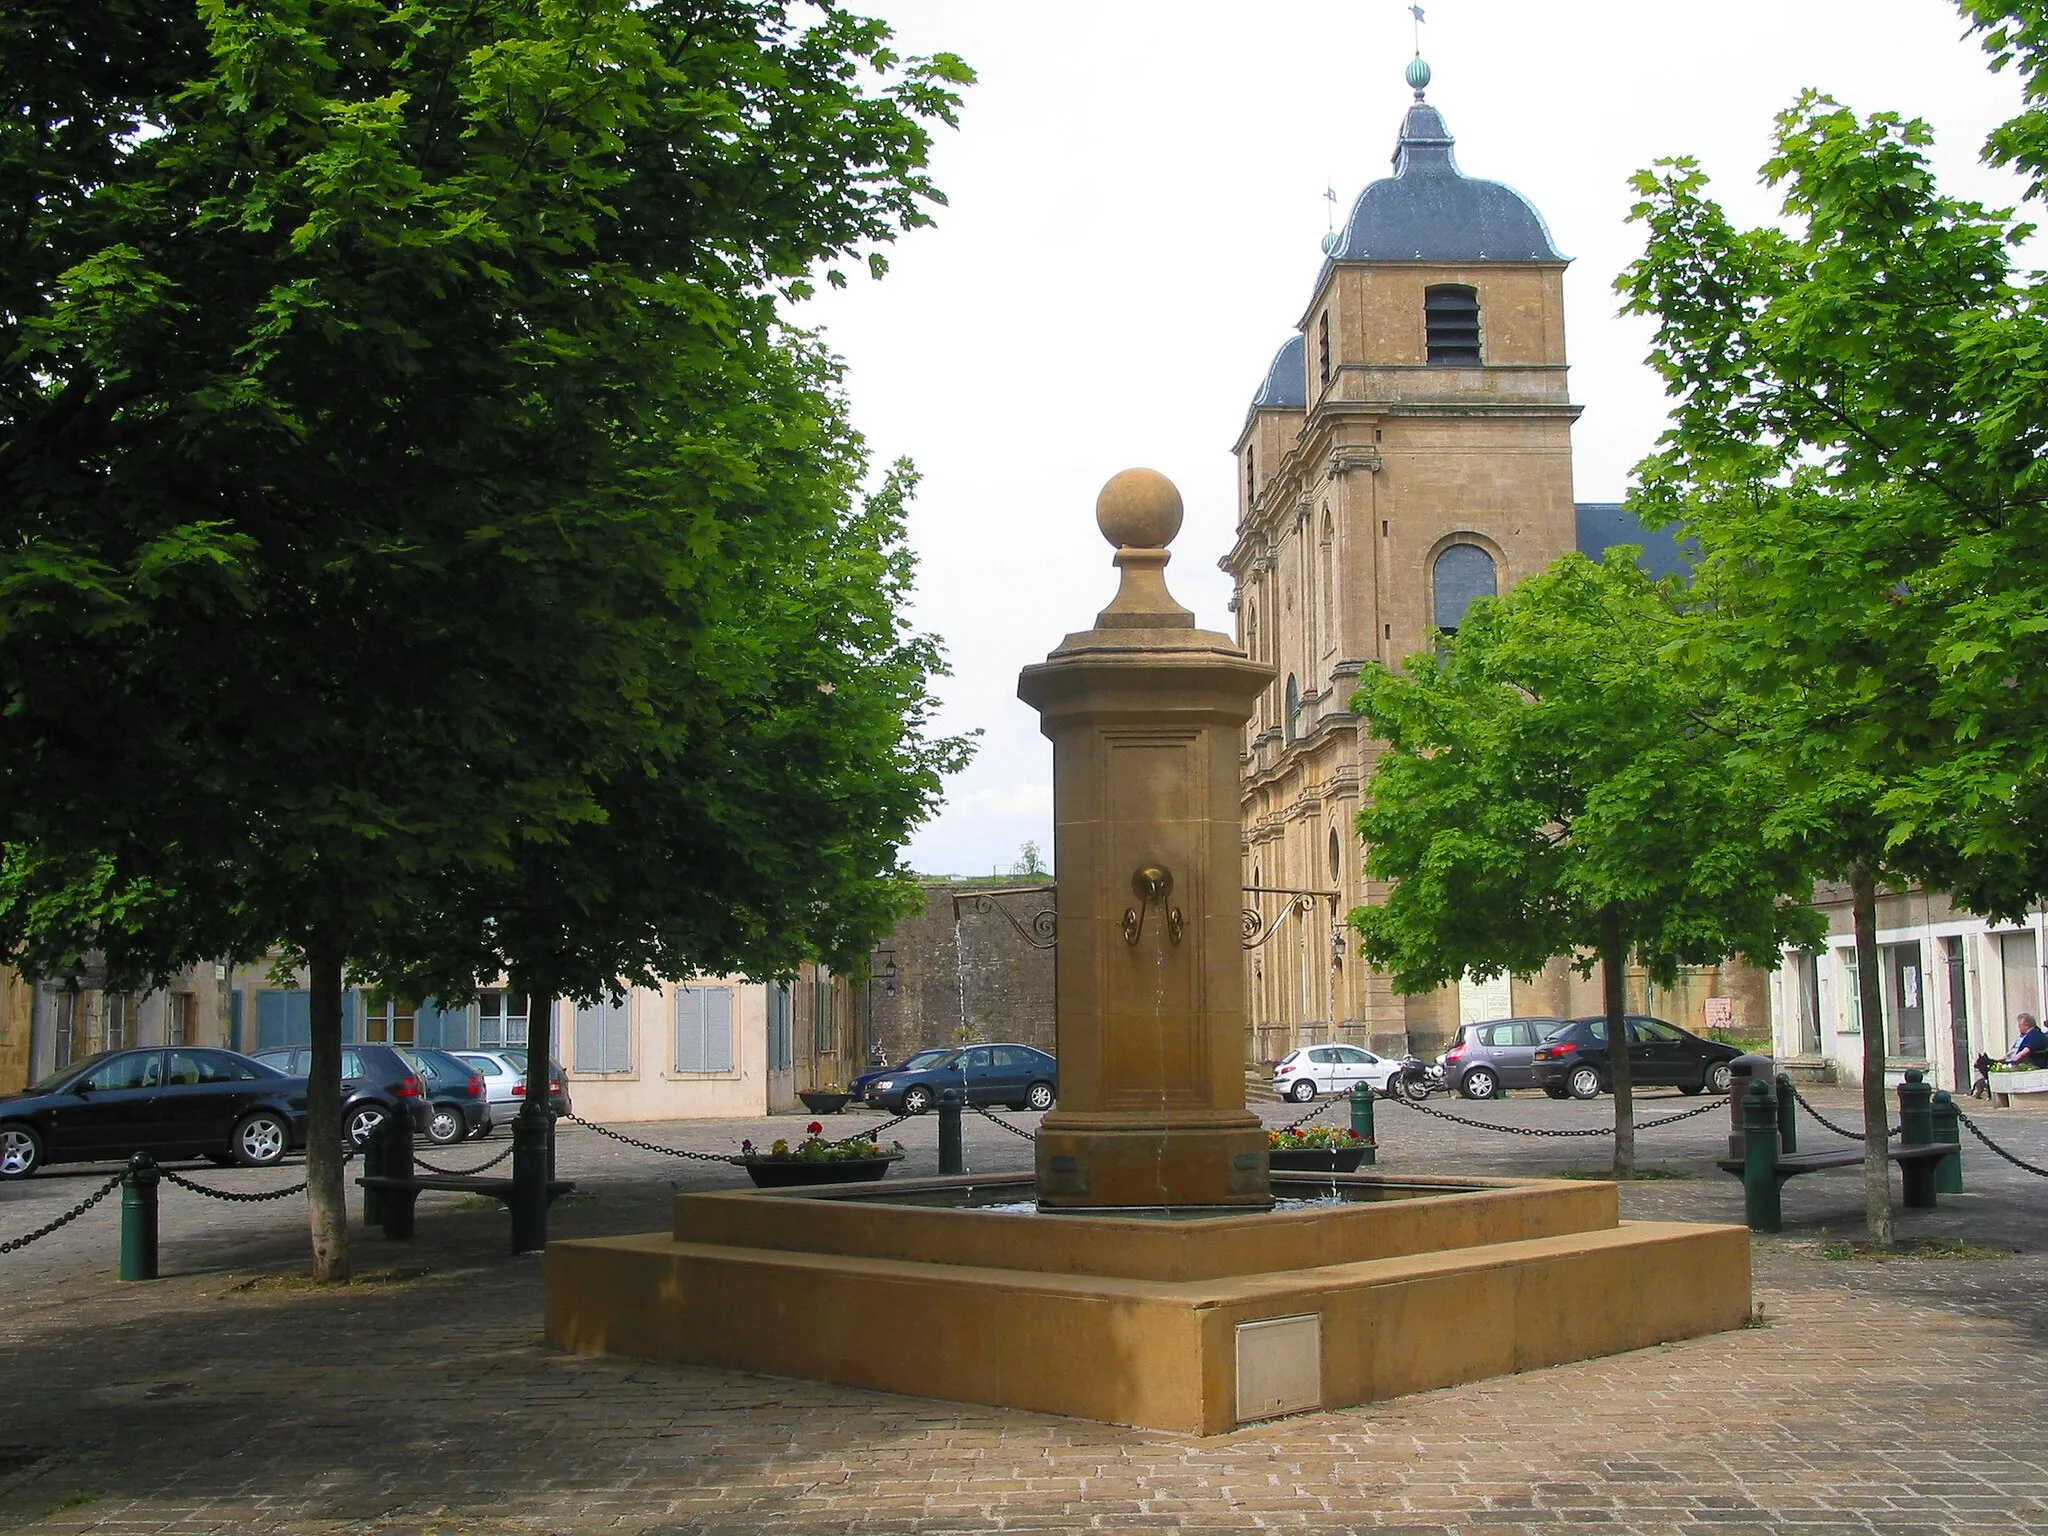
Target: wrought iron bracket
<point>1041,931</point>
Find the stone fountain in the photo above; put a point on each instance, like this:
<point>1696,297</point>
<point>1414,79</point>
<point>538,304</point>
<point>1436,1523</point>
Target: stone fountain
<point>1144,1274</point>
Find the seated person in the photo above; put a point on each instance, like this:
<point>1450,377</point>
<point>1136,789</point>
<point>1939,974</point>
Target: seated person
<point>2032,1047</point>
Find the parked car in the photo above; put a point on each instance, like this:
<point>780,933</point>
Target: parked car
<point>916,1062</point>
<point>458,1104</point>
<point>1573,1062</point>
<point>375,1080</point>
<point>558,1080</point>
<point>1019,1076</point>
<point>180,1101</point>
<point>1496,1054</point>
<point>1302,1074</point>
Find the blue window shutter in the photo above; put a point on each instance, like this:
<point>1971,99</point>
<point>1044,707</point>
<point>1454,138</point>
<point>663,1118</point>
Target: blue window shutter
<point>235,1020</point>
<point>618,1034</point>
<point>717,1002</point>
<point>590,1037</point>
<point>270,1021</point>
<point>351,1012</point>
<point>689,1029</point>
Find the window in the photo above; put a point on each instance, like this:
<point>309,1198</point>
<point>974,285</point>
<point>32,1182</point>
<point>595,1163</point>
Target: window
<point>208,1067</point>
<point>501,1020</point>
<point>1326,568</point>
<point>1251,631</point>
<point>117,1014</point>
<point>1655,1030</point>
<point>1251,478</point>
<point>1462,575</point>
<point>1805,982</point>
<point>441,1029</point>
<point>604,1035</point>
<point>1323,347</point>
<point>389,1021</point>
<point>1336,857</point>
<point>1451,320</point>
<point>137,1069</point>
<point>1010,1056</point>
<point>821,1015</point>
<point>703,1029</point>
<point>1852,994</point>
<point>1293,705</point>
<point>781,1048</point>
<point>181,1018</point>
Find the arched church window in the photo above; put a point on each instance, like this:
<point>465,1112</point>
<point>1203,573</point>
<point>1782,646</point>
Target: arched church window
<point>1451,319</point>
<point>1462,574</point>
<point>1336,858</point>
<point>1323,349</point>
<point>1251,630</point>
<point>1293,706</point>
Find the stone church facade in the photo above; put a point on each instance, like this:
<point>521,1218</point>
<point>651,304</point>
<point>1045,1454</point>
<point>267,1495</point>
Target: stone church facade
<point>1408,452</point>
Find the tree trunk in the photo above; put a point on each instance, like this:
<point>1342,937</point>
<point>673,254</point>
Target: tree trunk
<point>1877,1183</point>
<point>1613,977</point>
<point>326,1195</point>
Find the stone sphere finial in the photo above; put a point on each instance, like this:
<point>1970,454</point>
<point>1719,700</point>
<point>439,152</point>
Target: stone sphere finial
<point>1138,509</point>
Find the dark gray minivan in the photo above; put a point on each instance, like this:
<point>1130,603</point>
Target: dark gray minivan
<point>1495,1054</point>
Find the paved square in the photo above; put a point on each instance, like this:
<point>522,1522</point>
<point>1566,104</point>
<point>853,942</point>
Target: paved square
<point>1900,1397</point>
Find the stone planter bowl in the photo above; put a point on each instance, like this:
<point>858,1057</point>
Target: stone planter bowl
<point>787,1172</point>
<point>819,1102</point>
<point>1318,1159</point>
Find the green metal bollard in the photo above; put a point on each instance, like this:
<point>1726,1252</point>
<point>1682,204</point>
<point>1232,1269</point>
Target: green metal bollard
<point>533,1136</point>
<point>951,1158</point>
<point>1948,1173</point>
<point>373,1168</point>
<point>1788,1115</point>
<point>1916,1110</point>
<point>1760,1187</point>
<point>1361,1123</point>
<point>138,1218</point>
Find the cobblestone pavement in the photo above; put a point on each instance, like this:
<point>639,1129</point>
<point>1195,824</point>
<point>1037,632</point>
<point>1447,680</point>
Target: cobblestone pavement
<point>1899,1397</point>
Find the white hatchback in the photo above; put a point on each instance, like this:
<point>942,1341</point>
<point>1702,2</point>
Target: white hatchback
<point>1315,1069</point>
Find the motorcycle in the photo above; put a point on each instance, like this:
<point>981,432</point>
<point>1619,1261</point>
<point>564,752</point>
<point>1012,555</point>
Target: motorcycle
<point>1415,1079</point>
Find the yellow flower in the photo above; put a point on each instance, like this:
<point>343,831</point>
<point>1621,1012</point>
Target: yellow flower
<point>780,1149</point>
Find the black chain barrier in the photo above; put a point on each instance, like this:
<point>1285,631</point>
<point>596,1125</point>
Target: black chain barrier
<point>233,1195</point>
<point>67,1218</point>
<point>1843,1132</point>
<point>1544,1131</point>
<point>1321,1109</point>
<point>460,1173</point>
<point>988,1114</point>
<point>2017,1162</point>
<point>646,1146</point>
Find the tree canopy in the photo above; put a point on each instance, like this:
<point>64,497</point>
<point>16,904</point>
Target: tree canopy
<point>408,485</point>
<point>1555,783</point>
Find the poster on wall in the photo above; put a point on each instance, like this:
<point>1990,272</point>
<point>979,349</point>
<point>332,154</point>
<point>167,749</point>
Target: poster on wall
<point>1482,1000</point>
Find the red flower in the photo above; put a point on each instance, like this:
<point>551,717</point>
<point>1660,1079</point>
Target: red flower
<point>1352,1134</point>
<point>814,1128</point>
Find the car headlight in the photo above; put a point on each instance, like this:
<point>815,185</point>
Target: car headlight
<point>885,1085</point>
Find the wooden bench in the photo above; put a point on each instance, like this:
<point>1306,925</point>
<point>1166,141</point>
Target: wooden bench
<point>400,1195</point>
<point>1917,1165</point>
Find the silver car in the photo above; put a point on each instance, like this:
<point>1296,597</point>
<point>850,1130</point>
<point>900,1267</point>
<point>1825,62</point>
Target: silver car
<point>504,1082</point>
<point>1488,1058</point>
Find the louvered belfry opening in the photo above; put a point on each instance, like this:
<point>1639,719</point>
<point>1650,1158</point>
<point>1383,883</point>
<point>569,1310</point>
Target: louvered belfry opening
<point>1452,313</point>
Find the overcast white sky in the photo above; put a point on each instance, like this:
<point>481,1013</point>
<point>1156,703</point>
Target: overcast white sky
<point>1136,195</point>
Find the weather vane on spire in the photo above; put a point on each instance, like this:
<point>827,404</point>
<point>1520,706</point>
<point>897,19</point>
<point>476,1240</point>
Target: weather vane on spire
<point>1330,233</point>
<point>1418,71</point>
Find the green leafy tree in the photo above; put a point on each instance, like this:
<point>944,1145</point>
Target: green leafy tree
<point>1858,426</point>
<point>393,411</point>
<point>1556,784</point>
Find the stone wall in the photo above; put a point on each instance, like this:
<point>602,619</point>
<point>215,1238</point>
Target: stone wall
<point>964,973</point>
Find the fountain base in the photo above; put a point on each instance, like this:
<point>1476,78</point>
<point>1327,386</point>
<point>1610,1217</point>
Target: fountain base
<point>1195,1324</point>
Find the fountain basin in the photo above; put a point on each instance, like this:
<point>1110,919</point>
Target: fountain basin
<point>1195,1324</point>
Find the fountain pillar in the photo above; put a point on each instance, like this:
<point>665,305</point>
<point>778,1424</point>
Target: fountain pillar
<point>1146,715</point>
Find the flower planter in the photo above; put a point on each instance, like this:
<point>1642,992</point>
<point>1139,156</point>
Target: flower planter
<point>1318,1159</point>
<point>819,1102</point>
<point>786,1172</point>
<point>2028,1090</point>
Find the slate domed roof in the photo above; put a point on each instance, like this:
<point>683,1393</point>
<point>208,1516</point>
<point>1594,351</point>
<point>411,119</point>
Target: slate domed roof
<point>1429,210</point>
<point>1286,383</point>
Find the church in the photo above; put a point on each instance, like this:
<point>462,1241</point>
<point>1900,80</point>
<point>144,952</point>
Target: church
<point>1408,452</point>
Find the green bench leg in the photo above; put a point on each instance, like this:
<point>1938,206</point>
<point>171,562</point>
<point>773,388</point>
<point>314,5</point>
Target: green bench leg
<point>1948,1173</point>
<point>399,1213</point>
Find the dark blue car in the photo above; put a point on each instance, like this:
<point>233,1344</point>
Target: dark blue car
<point>1017,1076</point>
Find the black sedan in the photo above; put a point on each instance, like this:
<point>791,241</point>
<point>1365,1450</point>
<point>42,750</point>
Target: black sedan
<point>1019,1076</point>
<point>1572,1062</point>
<point>184,1101</point>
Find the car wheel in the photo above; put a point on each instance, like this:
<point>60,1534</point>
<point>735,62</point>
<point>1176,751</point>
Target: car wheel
<point>1584,1083</point>
<point>1040,1096</point>
<point>1558,1093</point>
<point>261,1139</point>
<point>1301,1092</point>
<point>916,1100</point>
<point>1480,1083</point>
<point>21,1152</point>
<point>362,1123</point>
<point>445,1125</point>
<point>1720,1076</point>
